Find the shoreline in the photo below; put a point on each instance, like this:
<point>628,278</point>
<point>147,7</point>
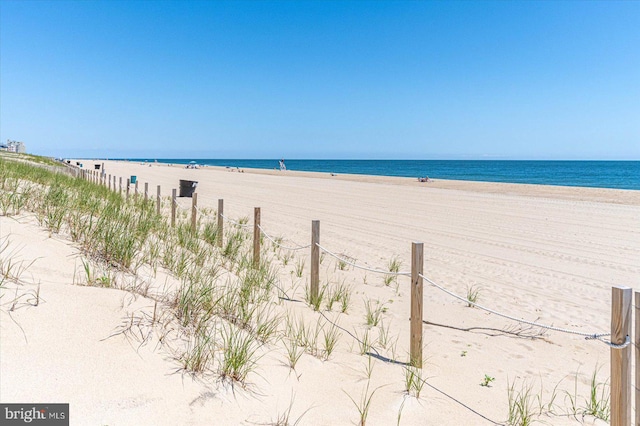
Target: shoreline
<point>583,174</point>
<point>574,193</point>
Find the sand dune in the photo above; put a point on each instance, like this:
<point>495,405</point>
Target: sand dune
<point>546,254</point>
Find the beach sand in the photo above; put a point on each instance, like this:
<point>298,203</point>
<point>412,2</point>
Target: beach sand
<point>541,253</point>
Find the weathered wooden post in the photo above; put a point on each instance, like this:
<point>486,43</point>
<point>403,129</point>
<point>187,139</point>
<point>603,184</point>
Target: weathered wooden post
<point>256,237</point>
<point>315,260</point>
<point>637,356</point>
<point>220,235</point>
<point>173,207</point>
<point>621,357</point>
<point>120,185</point>
<point>128,188</point>
<point>158,200</point>
<point>417,264</point>
<point>136,190</point>
<point>194,212</point>
<point>109,182</point>
<point>146,192</point>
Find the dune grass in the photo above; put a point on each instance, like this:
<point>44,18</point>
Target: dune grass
<point>226,308</point>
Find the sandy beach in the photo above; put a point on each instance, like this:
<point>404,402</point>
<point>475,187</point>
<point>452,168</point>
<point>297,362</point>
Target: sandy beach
<point>540,253</point>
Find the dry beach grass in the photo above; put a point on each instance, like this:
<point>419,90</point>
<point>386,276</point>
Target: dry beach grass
<point>185,333</point>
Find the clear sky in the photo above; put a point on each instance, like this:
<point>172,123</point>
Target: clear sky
<point>322,79</point>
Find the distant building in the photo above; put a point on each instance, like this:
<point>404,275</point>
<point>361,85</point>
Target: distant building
<point>15,146</point>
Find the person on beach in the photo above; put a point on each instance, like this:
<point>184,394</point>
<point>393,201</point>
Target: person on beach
<point>282,166</point>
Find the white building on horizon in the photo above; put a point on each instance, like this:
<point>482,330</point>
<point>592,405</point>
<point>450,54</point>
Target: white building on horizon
<point>14,146</point>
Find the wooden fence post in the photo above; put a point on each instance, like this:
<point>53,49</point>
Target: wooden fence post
<point>173,207</point>
<point>621,298</point>
<point>637,357</point>
<point>128,187</point>
<point>417,264</point>
<point>109,182</point>
<point>194,212</point>
<point>315,259</point>
<point>220,235</point>
<point>146,192</point>
<point>136,191</point>
<point>158,200</point>
<point>256,237</point>
<point>120,183</point>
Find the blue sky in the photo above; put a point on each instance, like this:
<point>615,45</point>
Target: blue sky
<point>322,79</point>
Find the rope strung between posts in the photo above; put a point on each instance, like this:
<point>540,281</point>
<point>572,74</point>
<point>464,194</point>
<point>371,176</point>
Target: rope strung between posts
<point>203,213</point>
<point>373,351</point>
<point>179,206</point>
<point>234,222</point>
<point>378,271</point>
<point>299,247</point>
<point>587,336</point>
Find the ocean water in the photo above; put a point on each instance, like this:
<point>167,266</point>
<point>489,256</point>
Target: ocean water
<point>596,174</point>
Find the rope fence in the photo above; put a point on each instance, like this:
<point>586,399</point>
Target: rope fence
<point>233,222</point>
<point>364,268</point>
<point>299,247</point>
<point>620,336</point>
<point>512,318</point>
